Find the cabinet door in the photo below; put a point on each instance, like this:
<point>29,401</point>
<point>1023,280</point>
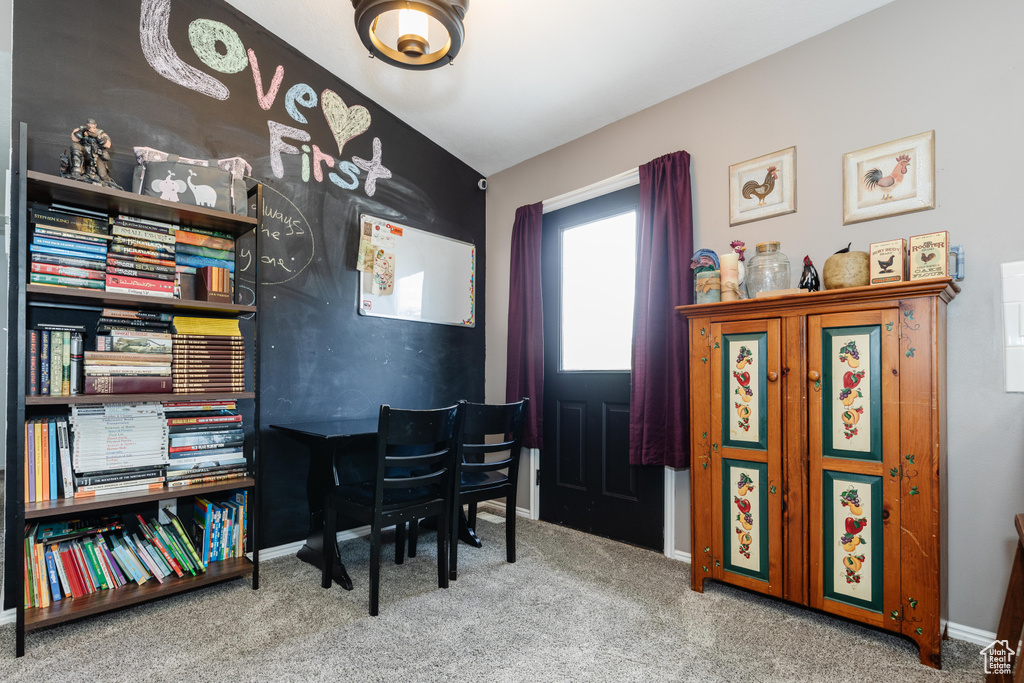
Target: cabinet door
<point>746,462</point>
<point>853,420</point>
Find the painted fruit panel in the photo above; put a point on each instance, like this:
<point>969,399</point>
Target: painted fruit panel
<point>744,518</point>
<point>744,405</point>
<point>852,419</point>
<point>853,540</point>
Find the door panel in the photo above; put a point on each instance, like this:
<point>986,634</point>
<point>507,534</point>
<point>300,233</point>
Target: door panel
<point>746,454</point>
<point>586,480</point>
<point>853,421</point>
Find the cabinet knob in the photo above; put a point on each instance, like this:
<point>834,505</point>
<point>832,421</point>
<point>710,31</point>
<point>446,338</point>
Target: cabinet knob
<point>814,375</point>
<point>772,376</point>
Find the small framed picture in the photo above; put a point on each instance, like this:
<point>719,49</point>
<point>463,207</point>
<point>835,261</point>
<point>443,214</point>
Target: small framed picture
<point>891,179</point>
<point>763,187</point>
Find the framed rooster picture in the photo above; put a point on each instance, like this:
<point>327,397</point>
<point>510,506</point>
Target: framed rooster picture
<point>891,179</point>
<point>763,187</point>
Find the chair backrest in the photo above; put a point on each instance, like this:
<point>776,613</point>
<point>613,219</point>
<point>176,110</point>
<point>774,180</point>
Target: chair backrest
<point>416,451</point>
<point>486,420</point>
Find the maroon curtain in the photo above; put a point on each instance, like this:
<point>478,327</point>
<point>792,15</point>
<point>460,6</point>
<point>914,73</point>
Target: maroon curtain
<point>524,375</point>
<point>659,407</point>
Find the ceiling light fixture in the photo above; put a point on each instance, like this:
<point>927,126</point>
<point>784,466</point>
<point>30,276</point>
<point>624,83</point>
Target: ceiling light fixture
<point>401,31</point>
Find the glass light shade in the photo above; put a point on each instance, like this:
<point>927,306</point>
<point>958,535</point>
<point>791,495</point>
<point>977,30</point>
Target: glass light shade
<point>414,23</point>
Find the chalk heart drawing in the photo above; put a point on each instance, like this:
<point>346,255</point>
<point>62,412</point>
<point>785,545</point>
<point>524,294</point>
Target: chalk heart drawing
<point>345,122</point>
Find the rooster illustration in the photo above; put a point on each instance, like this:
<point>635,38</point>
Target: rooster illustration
<point>874,180</point>
<point>752,189</point>
<point>886,265</point>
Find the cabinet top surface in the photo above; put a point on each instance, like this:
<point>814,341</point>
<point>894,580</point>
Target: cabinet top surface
<point>943,288</point>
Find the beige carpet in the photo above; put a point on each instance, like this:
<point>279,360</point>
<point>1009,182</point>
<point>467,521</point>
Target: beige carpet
<point>574,608</point>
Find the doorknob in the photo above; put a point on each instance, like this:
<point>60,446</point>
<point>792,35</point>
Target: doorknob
<point>813,375</point>
<point>772,376</point>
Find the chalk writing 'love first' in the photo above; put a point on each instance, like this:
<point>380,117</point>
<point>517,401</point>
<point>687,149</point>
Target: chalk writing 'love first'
<point>205,35</point>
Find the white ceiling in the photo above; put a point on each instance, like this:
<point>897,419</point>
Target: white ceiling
<point>535,74</point>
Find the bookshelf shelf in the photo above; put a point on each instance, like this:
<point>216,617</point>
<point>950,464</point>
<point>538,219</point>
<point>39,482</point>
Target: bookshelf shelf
<point>64,295</point>
<point>83,307</point>
<point>45,188</point>
<point>73,506</point>
<point>132,398</point>
<point>105,601</point>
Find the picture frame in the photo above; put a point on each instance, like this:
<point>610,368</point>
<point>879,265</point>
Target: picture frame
<point>764,187</point>
<point>909,186</point>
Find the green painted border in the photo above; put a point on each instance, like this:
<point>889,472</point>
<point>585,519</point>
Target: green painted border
<point>828,494</point>
<point>727,515</point>
<point>829,388</point>
<point>725,358</point>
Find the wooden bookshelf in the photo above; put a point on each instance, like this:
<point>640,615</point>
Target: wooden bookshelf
<point>31,187</point>
<point>70,609</point>
<point>132,398</point>
<point>63,507</point>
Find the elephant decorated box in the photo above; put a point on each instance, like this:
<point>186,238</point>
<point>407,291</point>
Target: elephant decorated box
<point>212,183</point>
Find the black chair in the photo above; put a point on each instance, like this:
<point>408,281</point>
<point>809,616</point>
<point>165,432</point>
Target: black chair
<point>482,480</point>
<point>405,486</point>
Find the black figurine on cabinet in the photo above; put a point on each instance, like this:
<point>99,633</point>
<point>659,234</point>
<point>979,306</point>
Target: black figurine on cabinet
<point>809,280</point>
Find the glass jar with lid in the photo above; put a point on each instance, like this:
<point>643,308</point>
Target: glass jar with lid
<point>768,270</point>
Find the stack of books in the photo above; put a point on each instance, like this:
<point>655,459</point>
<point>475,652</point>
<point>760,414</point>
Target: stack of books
<point>141,258</point>
<point>205,442</point>
<point>72,560</point>
<point>198,248</point>
<point>54,363</point>
<point>68,248</point>
<point>133,353</point>
<point>221,529</point>
<point>48,474</point>
<point>118,447</point>
<point>209,356</point>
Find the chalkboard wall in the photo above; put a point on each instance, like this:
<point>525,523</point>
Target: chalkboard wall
<point>200,79</point>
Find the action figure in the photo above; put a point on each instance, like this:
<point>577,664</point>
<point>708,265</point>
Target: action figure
<point>90,156</point>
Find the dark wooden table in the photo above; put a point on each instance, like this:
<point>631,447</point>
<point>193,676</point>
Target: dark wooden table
<point>331,442</point>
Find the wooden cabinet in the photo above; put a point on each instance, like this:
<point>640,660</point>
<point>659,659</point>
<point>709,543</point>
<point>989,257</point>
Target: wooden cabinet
<point>27,300</point>
<point>818,449</point>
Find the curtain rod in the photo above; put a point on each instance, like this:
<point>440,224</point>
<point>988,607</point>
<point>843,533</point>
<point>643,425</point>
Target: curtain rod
<point>601,187</point>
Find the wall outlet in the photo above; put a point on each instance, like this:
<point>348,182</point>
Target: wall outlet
<point>172,505</point>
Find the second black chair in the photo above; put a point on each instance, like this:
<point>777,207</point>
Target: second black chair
<point>417,467</point>
<point>484,479</point>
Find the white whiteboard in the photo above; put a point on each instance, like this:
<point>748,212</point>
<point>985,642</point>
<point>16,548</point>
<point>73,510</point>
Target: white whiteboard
<point>434,278</point>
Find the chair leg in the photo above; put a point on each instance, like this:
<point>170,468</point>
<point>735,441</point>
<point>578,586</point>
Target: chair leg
<point>328,544</point>
<point>471,517</point>
<point>510,530</point>
<point>414,534</point>
<point>443,533</point>
<point>374,569</point>
<point>453,544</point>
<point>400,543</point>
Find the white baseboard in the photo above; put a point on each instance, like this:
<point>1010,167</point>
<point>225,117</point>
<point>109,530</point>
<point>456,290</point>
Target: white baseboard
<point>8,616</point>
<point>682,556</point>
<point>292,548</point>
<point>498,505</point>
<point>970,634</point>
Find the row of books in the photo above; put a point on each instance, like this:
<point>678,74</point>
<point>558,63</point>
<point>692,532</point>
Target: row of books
<point>137,352</point>
<point>121,448</point>
<point>74,247</point>
<point>55,360</point>
<point>68,560</point>
<point>205,444</point>
<point>221,530</point>
<point>208,355</point>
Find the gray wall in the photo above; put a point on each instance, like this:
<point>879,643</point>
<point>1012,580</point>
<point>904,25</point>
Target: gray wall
<point>6,38</point>
<point>908,67</point>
